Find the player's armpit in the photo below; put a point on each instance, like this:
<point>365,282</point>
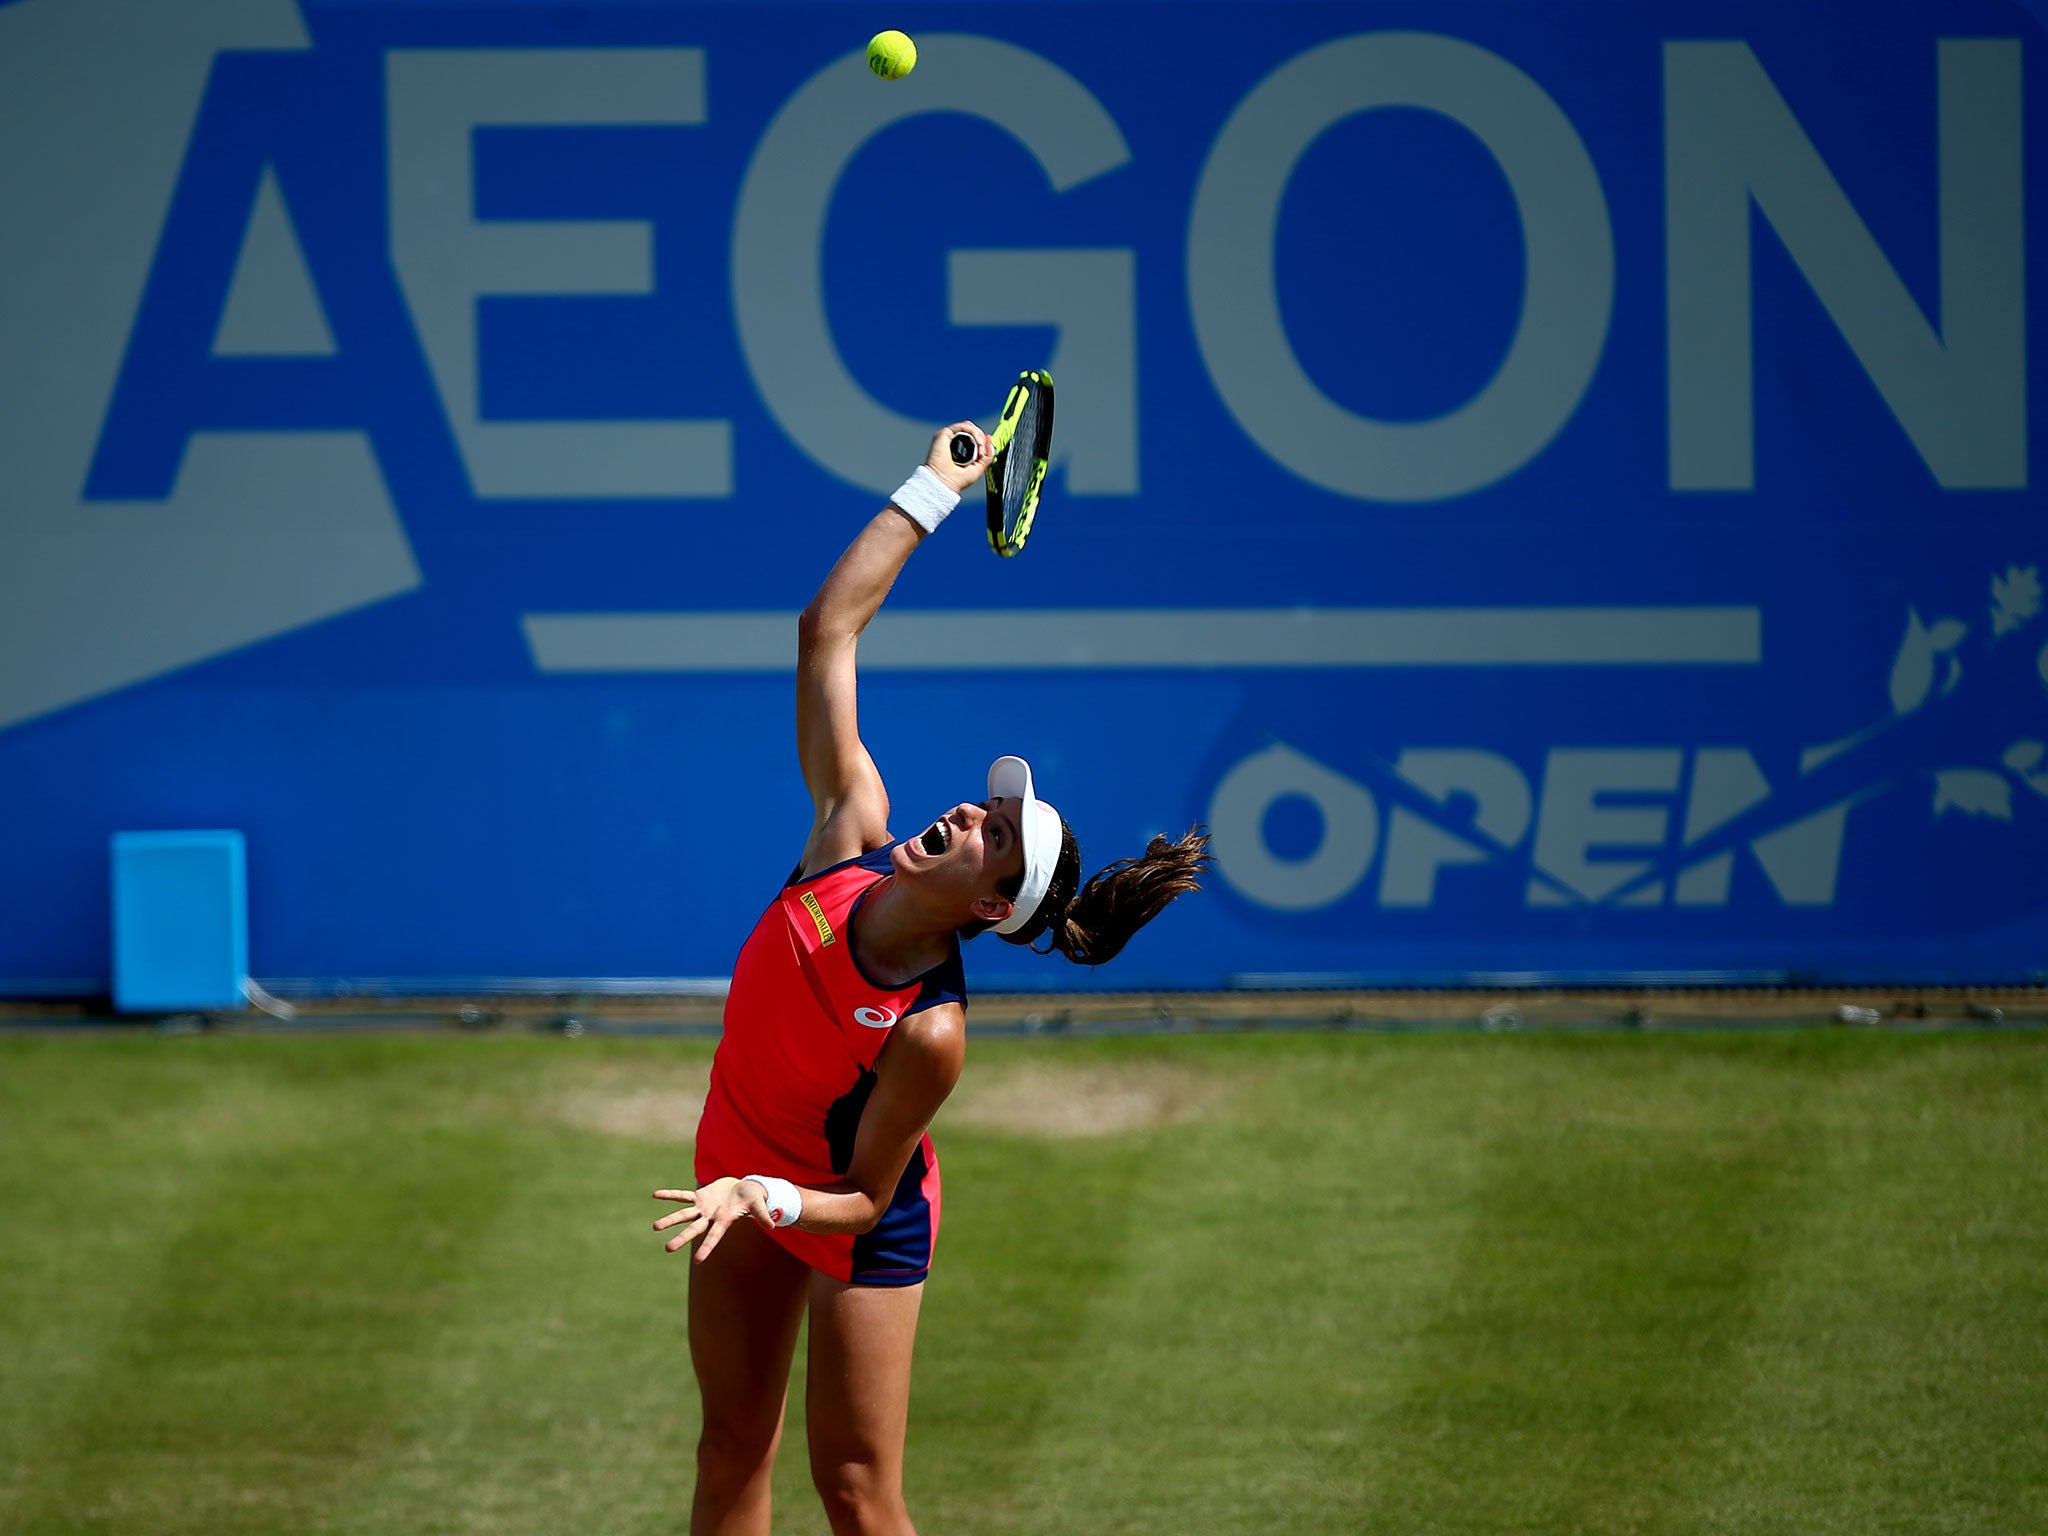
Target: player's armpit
<point>847,828</point>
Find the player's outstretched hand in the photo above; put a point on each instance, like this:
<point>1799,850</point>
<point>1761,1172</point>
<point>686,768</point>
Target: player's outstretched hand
<point>707,1212</point>
<point>940,460</point>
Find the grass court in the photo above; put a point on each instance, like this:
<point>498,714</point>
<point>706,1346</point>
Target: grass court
<point>404,1285</point>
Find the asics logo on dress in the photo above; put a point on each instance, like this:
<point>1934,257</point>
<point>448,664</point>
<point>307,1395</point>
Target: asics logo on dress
<point>874,1018</point>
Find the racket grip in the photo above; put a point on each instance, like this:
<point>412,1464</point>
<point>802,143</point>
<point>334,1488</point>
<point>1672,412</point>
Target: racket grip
<point>962,448</point>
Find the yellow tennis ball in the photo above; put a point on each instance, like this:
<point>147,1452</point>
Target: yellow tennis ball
<point>891,55</point>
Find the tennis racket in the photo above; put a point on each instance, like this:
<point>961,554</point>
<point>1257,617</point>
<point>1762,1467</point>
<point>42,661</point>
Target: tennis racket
<point>1023,444</point>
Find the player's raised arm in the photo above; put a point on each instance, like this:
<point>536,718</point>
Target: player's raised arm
<point>852,808</point>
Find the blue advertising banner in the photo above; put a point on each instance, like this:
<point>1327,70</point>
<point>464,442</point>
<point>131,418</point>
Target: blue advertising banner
<point>1549,486</point>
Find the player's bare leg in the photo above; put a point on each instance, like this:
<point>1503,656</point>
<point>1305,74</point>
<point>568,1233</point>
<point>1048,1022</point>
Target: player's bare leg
<point>746,1302</point>
<point>859,1402</point>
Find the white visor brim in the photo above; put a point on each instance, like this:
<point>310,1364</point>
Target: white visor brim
<point>1009,778</point>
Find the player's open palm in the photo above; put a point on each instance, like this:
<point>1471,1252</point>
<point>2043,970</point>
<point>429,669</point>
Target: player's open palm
<point>707,1212</point>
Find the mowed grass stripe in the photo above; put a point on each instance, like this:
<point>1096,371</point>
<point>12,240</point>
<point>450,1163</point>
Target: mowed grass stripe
<point>1281,1251</point>
<point>1582,1361</point>
<point>104,1154</point>
<point>259,1360</point>
<point>1893,1380</point>
<point>558,1395</point>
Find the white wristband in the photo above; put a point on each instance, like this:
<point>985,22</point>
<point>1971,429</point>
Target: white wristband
<point>785,1200</point>
<point>925,499</point>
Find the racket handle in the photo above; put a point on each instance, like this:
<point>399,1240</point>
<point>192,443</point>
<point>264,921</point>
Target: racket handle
<point>962,448</point>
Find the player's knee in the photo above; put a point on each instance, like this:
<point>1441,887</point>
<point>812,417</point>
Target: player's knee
<point>860,1497</point>
<point>731,1456</point>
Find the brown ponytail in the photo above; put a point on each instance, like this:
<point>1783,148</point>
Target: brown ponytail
<point>1093,925</point>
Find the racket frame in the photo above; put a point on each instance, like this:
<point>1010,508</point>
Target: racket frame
<point>1031,381</point>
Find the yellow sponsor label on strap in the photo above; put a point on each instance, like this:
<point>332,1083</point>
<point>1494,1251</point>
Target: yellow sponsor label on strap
<point>818,916</point>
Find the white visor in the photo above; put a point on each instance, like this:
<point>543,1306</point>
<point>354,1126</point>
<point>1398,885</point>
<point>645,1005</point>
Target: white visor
<point>1009,778</point>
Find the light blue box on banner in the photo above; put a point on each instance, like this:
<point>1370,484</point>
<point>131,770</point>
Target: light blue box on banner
<point>181,920</point>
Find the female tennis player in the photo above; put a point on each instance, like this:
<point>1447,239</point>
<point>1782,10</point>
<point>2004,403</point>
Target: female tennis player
<point>844,1032</point>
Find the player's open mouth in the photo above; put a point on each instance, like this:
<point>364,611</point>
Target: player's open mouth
<point>936,839</point>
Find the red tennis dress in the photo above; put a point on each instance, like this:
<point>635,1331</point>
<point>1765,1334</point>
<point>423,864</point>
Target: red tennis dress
<point>803,1026</point>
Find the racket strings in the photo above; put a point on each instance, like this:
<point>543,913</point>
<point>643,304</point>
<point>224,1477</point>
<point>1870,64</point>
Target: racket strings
<point>1020,461</point>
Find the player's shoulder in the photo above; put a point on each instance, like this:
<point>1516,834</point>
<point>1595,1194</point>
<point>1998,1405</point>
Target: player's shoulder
<point>936,1021</point>
<point>933,1039</point>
